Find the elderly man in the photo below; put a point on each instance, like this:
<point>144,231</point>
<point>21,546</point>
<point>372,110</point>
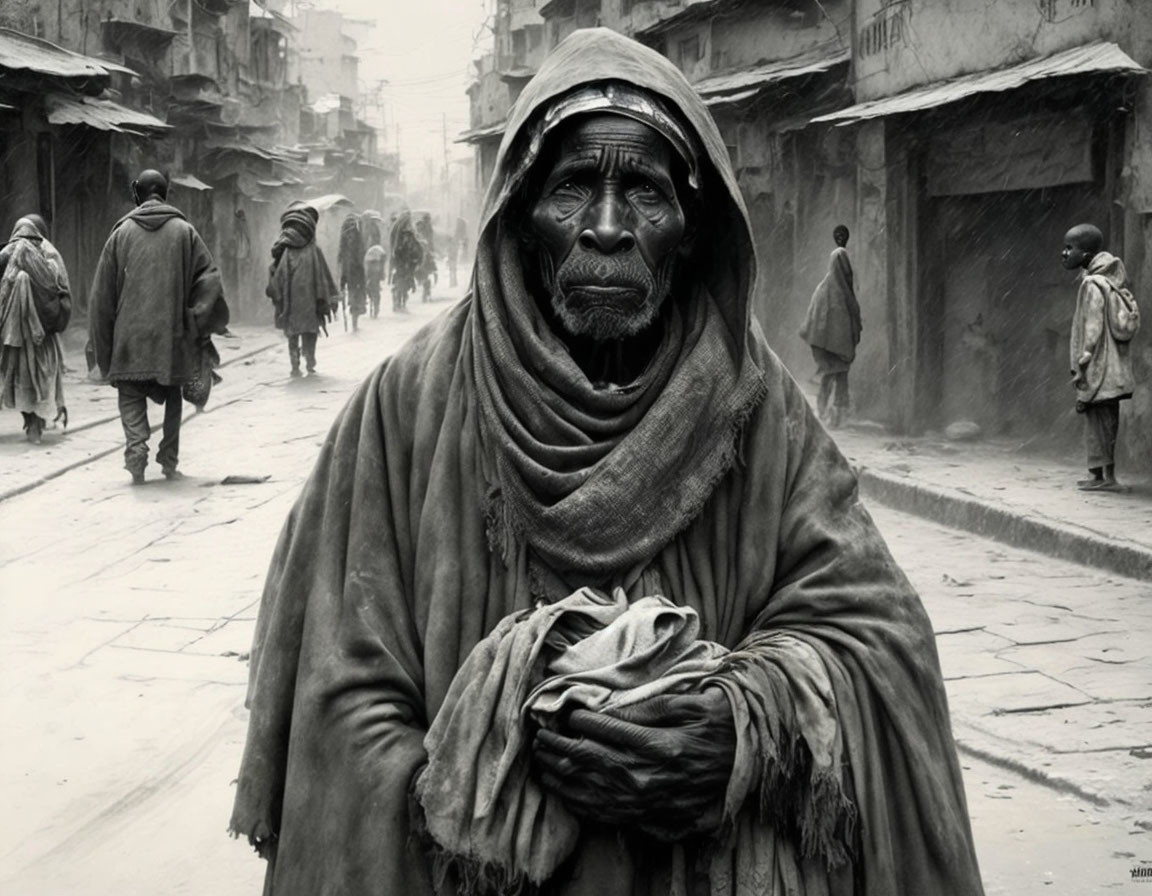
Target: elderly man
<point>580,597</point>
<point>156,299</point>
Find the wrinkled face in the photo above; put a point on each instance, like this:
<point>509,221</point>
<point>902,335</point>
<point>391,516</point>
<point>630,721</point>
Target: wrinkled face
<point>1074,255</point>
<point>608,223</point>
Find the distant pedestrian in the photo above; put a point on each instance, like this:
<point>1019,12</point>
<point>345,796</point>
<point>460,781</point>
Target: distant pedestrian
<point>426,269</point>
<point>405,256</point>
<point>300,284</point>
<point>1102,325</point>
<point>832,328</point>
<point>156,300</point>
<point>35,305</point>
<point>375,270</point>
<point>351,261</point>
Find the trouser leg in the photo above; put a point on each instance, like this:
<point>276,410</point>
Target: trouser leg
<point>309,340</point>
<point>294,351</point>
<point>168,454</point>
<point>133,403</point>
<point>842,391</point>
<point>825,397</point>
<point>1101,426</point>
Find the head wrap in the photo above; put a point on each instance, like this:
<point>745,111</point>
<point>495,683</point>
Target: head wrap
<point>297,229</point>
<point>616,98</point>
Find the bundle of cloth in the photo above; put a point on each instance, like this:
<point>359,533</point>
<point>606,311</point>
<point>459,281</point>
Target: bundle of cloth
<point>491,823</point>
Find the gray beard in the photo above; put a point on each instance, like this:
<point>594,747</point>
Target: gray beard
<point>606,298</point>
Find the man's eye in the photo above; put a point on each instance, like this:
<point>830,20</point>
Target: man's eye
<point>568,188</point>
<point>645,189</point>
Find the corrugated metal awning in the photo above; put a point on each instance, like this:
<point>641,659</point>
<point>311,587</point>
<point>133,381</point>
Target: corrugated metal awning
<point>746,83</point>
<point>1089,59</point>
<point>103,115</point>
<point>22,52</point>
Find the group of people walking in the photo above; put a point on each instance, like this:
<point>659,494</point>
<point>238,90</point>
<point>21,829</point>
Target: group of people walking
<point>157,299</point>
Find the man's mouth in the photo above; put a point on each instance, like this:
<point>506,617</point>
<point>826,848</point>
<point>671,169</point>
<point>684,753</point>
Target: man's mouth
<point>588,295</point>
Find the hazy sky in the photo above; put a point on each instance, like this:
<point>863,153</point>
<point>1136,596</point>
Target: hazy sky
<point>424,49</point>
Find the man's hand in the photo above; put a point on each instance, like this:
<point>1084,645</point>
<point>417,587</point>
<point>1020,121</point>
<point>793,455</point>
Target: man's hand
<point>662,765</point>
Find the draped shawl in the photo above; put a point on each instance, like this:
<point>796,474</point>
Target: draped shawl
<point>391,568</point>
<point>299,281</point>
<point>33,302</point>
<point>833,319</point>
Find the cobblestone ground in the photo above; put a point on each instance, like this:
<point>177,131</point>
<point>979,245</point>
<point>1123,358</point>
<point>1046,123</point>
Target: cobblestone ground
<point>125,614</point>
<point>1048,668</point>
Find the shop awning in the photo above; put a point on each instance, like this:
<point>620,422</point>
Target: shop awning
<point>22,52</point>
<point>103,115</point>
<point>733,87</point>
<point>1090,59</point>
<point>190,182</point>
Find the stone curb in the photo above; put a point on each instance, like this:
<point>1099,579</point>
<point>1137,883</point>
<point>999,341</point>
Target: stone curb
<point>1034,533</point>
<point>97,455</point>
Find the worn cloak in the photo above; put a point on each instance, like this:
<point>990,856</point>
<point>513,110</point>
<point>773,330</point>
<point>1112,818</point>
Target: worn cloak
<point>833,319</point>
<point>155,294</point>
<point>300,283</point>
<point>386,575</point>
<point>1108,373</point>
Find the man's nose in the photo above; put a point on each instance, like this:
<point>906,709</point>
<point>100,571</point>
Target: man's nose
<point>608,229</point>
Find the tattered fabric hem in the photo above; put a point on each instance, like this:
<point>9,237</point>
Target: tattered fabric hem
<point>463,874</point>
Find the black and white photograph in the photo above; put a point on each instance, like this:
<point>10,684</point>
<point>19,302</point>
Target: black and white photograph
<point>575,447</point>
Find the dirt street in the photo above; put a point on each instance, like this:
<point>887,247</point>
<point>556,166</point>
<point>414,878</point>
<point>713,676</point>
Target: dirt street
<point>126,614</point>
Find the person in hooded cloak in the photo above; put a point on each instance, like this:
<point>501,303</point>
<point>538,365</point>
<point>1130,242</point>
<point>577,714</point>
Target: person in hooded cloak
<point>300,284</point>
<point>35,306</point>
<point>156,299</point>
<point>405,255</point>
<point>426,269</point>
<point>832,328</point>
<point>351,260</point>
<point>599,416</point>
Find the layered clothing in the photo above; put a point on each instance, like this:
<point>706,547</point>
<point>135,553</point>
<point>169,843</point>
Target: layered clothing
<point>300,284</point>
<point>156,298</point>
<point>478,474</point>
<point>1102,360</point>
<point>35,306</point>
<point>832,323</point>
<point>351,262</point>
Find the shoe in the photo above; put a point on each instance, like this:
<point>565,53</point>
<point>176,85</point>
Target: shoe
<point>1083,484</point>
<point>34,429</point>
<point>172,474</point>
<point>296,374</point>
<point>137,477</point>
<point>1102,485</point>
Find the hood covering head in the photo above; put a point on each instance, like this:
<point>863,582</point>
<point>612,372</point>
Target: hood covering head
<point>1111,268</point>
<point>592,57</point>
<point>581,471</point>
<point>25,229</point>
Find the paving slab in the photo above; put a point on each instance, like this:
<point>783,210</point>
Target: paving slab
<point>1008,492</point>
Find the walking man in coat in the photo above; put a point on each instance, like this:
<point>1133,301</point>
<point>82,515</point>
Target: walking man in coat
<point>156,299</point>
<point>832,328</point>
<point>1098,351</point>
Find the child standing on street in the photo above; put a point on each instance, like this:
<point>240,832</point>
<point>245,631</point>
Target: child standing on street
<point>1104,321</point>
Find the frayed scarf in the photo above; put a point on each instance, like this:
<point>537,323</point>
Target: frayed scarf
<point>582,473</point>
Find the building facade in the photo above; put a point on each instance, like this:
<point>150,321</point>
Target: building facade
<point>958,140</point>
